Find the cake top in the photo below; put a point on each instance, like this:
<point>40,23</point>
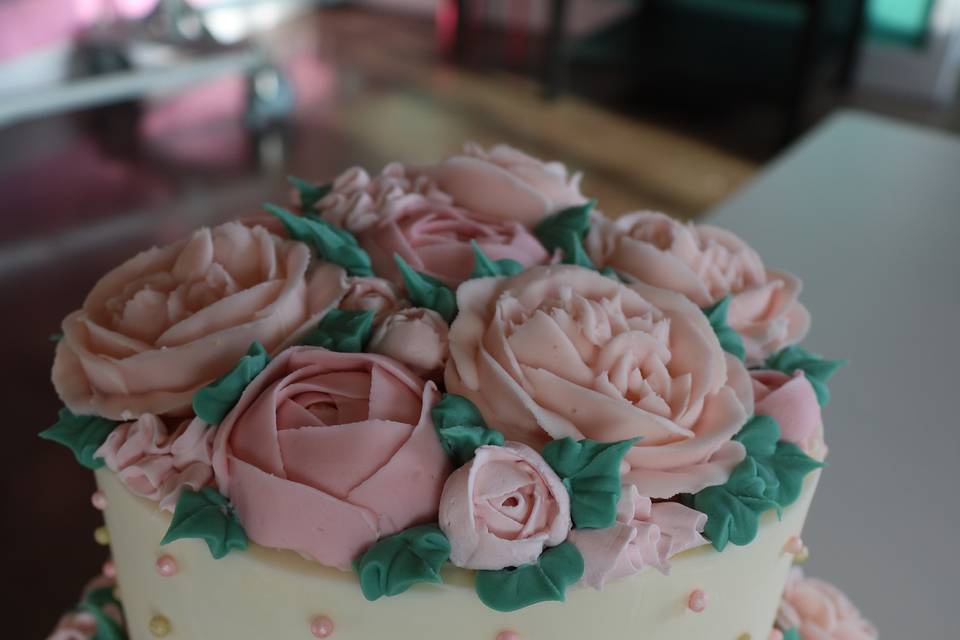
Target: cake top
<point>465,362</point>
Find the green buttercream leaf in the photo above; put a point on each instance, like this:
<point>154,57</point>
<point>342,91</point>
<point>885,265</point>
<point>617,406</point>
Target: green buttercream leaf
<point>341,330</point>
<point>55,337</point>
<point>590,471</point>
<point>461,428</point>
<point>792,634</point>
<point>484,267</point>
<point>790,465</point>
<point>206,514</point>
<point>554,231</point>
<point>83,435</point>
<point>817,369</point>
<point>396,563</point>
<point>730,340</point>
<point>733,509</point>
<point>310,194</point>
<point>329,242</point>
<point>759,436</point>
<point>95,602</point>
<point>613,275</point>
<point>213,402</point>
<point>426,291</point>
<point>512,589</point>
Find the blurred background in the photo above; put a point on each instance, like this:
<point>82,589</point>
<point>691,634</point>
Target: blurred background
<point>126,123</point>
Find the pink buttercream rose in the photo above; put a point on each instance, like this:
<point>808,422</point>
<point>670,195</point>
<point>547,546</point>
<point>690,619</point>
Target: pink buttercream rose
<point>327,452</point>
<point>792,402</point>
<point>646,534</point>
<point>507,184</point>
<point>820,611</point>
<point>172,319</point>
<point>82,625</point>
<point>563,351</point>
<point>416,337</point>
<point>156,464</point>
<point>371,294</point>
<point>503,508</point>
<point>706,264</point>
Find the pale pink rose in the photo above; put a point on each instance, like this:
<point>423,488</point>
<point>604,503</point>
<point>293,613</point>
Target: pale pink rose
<point>82,625</point>
<point>792,402</point>
<point>436,240</point>
<point>170,320</point>
<point>416,337</point>
<point>156,464</point>
<point>327,452</point>
<point>371,294</point>
<point>820,611</point>
<point>646,534</point>
<point>503,508</point>
<point>706,264</point>
<point>505,183</point>
<point>563,351</point>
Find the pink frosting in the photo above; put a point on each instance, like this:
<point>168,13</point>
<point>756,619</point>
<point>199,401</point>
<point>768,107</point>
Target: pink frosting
<point>156,464</point>
<point>171,320</point>
<point>502,508</point>
<point>646,534</point>
<point>371,294</point>
<point>416,337</point>
<point>564,351</point>
<point>505,183</point>
<point>792,402</point>
<point>326,452</point>
<point>706,264</point>
<point>80,625</point>
<point>820,611</point>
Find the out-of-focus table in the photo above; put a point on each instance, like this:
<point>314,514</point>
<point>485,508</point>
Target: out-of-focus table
<point>867,211</point>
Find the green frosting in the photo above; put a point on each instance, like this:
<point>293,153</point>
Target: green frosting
<point>340,330</point>
<point>817,369</point>
<point>396,563</point>
<point>83,435</point>
<point>512,589</point>
<point>94,602</point>
<point>428,292</point>
<point>55,337</point>
<point>781,465</point>
<point>310,194</point>
<point>213,402</point>
<point>461,428</point>
<point>590,471</point>
<point>792,634</point>
<point>329,242</point>
<point>484,267</point>
<point>206,514</point>
<point>729,339</point>
<point>565,230</point>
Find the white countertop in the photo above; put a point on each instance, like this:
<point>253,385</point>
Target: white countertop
<point>867,211</point>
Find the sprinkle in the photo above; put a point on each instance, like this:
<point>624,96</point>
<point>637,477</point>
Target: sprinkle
<point>166,566</point>
<point>321,627</point>
<point>109,570</point>
<point>98,500</point>
<point>776,634</point>
<point>697,601</point>
<point>102,536</point>
<point>803,556</point>
<point>159,627</point>
<point>508,635</point>
<point>794,546</point>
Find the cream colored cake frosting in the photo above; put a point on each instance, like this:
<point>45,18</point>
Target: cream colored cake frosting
<point>449,401</point>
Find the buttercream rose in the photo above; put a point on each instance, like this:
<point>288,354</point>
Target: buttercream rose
<point>646,534</point>
<point>416,337</point>
<point>792,402</point>
<point>503,508</point>
<point>505,183</point>
<point>371,294</point>
<point>82,625</point>
<point>172,319</point>
<point>706,264</point>
<point>563,351</point>
<point>820,611</point>
<point>326,452</point>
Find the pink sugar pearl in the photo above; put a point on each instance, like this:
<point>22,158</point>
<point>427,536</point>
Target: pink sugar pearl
<point>166,566</point>
<point>508,635</point>
<point>697,601</point>
<point>98,500</point>
<point>321,627</point>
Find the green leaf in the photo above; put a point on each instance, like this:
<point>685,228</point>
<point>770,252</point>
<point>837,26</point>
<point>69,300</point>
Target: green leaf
<point>55,337</point>
<point>341,330</point>
<point>396,563</point>
<point>310,194</point>
<point>329,242</point>
<point>590,471</point>
<point>206,514</point>
<point>95,602</point>
<point>817,369</point>
<point>484,267</point>
<point>461,428</point>
<point>512,589</point>
<point>213,402</point>
<point>792,634</point>
<point>426,291</point>
<point>730,340</point>
<point>554,231</point>
<point>790,465</point>
<point>733,509</point>
<point>759,436</point>
<point>83,435</point>
<point>613,275</point>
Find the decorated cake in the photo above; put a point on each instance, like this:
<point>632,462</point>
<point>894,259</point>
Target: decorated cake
<point>449,401</point>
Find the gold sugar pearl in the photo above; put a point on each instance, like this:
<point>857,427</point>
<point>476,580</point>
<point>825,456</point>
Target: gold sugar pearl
<point>802,557</point>
<point>744,636</point>
<point>102,536</point>
<point>159,627</point>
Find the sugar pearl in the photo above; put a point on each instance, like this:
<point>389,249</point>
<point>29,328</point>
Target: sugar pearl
<point>744,636</point>
<point>166,566</point>
<point>321,627</point>
<point>102,536</point>
<point>109,570</point>
<point>776,634</point>
<point>98,500</point>
<point>508,635</point>
<point>794,546</point>
<point>159,627</point>
<point>803,556</point>
<point>697,601</point>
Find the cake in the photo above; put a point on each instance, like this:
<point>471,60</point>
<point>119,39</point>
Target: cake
<point>449,401</point>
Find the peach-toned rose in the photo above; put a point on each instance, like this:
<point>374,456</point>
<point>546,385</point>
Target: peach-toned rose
<point>820,611</point>
<point>706,264</point>
<point>172,319</point>
<point>156,464</point>
<point>792,402</point>
<point>416,337</point>
<point>505,183</point>
<point>326,452</point>
<point>646,534</point>
<point>563,351</point>
<point>371,294</point>
<point>503,507</point>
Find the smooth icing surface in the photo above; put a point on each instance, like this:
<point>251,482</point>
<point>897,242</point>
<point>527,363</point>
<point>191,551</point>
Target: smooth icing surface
<point>264,593</point>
